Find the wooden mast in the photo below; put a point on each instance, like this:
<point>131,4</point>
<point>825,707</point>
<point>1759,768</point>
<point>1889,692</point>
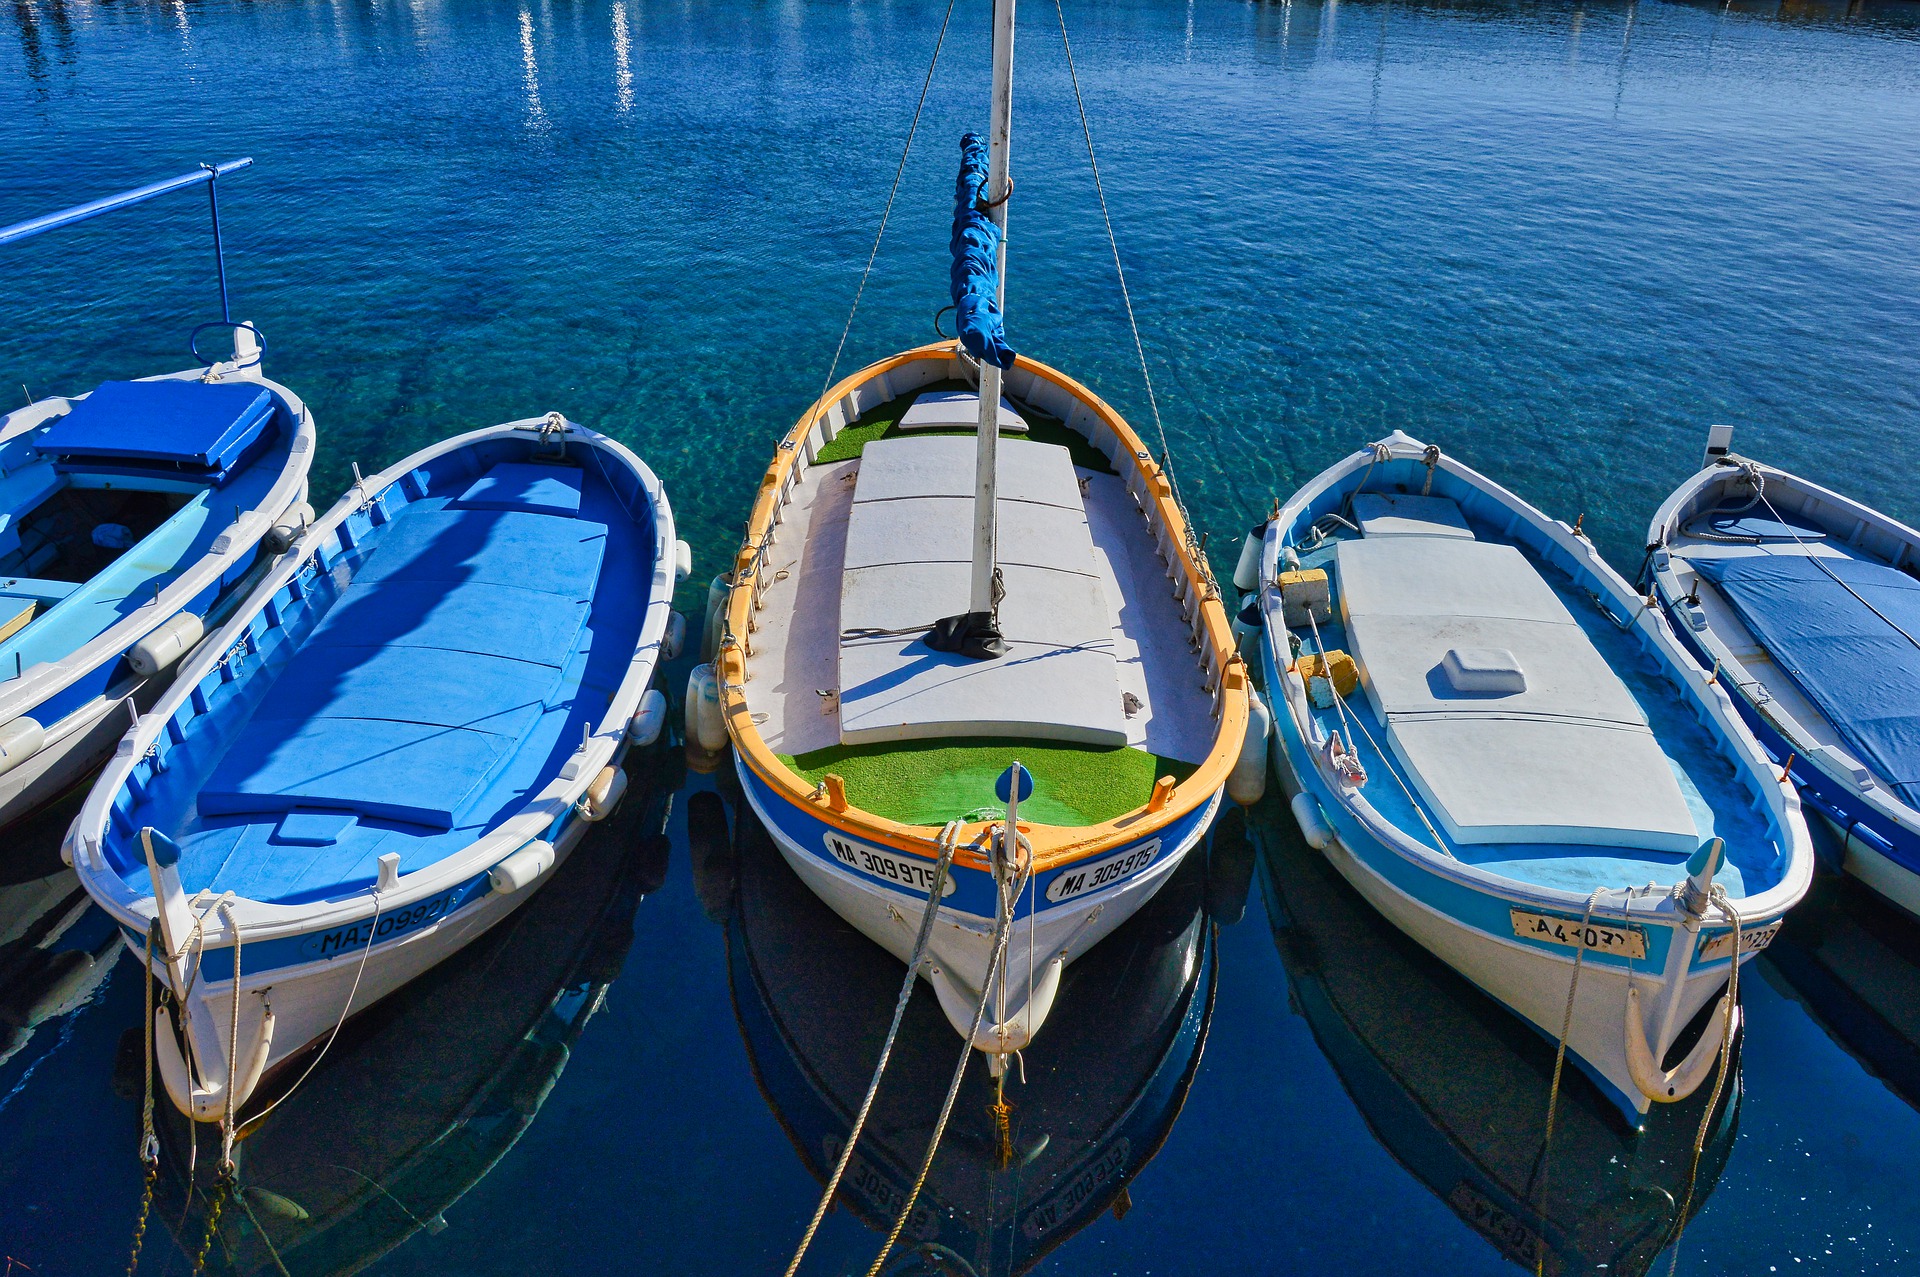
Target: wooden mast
<point>999,137</point>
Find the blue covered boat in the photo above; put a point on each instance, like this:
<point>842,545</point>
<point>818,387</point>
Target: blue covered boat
<point>1807,603</point>
<point>1505,749</point>
<point>401,732</point>
<point>132,519</point>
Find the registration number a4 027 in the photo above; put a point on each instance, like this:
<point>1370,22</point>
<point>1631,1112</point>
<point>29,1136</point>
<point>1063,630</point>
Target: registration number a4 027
<point>1599,937</point>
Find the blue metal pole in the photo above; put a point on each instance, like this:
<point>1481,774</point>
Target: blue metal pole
<point>126,199</point>
<point>219,258</point>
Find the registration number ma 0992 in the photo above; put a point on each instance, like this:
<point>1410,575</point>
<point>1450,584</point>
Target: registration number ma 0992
<point>1599,937</point>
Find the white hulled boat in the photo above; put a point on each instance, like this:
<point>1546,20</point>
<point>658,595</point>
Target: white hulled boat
<point>921,604</point>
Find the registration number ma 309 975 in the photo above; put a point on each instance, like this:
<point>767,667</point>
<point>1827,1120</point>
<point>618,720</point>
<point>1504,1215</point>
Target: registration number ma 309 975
<point>915,875</point>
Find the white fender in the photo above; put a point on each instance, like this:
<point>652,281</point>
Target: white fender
<point>1247,782</point>
<point>20,740</point>
<point>1312,822</point>
<point>716,617</point>
<point>675,638</point>
<point>705,726</point>
<point>207,1103</point>
<point>167,643</point>
<point>644,728</point>
<point>604,794</point>
<point>522,868</point>
<point>1685,1077</point>
<point>288,528</point>
<point>682,561</point>
<point>1246,573</point>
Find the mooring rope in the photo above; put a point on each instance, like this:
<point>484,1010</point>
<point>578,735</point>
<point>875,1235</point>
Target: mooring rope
<point>1553,1091</point>
<point>1719,1079</point>
<point>373,925</point>
<point>949,840</point>
<point>1002,930</point>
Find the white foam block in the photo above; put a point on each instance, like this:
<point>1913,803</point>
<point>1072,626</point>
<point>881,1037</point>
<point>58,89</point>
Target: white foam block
<point>955,409</point>
<point>1404,514</point>
<point>942,466</point>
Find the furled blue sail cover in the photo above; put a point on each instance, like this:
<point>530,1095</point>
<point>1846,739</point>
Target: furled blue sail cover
<point>976,261</point>
<point>1856,668</point>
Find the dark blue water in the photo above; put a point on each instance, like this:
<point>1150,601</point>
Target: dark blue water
<point>1559,240</point>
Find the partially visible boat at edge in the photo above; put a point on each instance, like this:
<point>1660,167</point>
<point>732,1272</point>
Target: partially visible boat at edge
<point>1806,604</point>
<point>132,519</point>
<point>1509,754</point>
<point>402,731</point>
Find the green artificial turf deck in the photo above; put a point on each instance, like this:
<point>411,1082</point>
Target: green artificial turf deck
<point>883,423</point>
<point>932,782</point>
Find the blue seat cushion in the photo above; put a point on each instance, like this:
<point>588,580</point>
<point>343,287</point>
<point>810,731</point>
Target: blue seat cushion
<point>493,620</point>
<point>414,772</point>
<point>206,426</point>
<point>489,547</point>
<point>514,485</point>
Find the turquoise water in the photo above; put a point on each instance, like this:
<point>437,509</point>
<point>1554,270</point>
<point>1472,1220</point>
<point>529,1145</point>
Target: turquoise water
<point>1559,240</point>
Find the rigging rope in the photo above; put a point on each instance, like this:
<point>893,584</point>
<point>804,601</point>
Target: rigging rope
<point>948,841</point>
<point>1126,295</point>
<point>887,212</point>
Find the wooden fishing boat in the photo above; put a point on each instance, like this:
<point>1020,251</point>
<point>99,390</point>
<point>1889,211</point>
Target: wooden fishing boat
<point>929,626</point>
<point>402,731</point>
<point>1505,749</point>
<point>857,743</point>
<point>132,519</point>
<point>1806,604</point>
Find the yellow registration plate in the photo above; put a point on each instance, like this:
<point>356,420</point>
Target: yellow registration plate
<point>1750,941</point>
<point>1600,937</point>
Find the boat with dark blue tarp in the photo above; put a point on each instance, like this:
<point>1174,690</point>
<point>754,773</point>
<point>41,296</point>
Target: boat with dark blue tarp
<point>402,731</point>
<point>132,519</point>
<point>1807,603</point>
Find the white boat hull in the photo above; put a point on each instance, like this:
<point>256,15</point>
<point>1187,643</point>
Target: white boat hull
<point>961,946</point>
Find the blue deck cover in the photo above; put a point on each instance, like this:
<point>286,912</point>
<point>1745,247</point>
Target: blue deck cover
<point>1841,644</point>
<point>205,426</point>
<point>516,486</point>
<point>425,676</point>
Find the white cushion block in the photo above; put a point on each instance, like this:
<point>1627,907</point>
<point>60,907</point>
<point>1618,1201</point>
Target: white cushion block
<point>1483,669</point>
<point>1402,514</point>
<point>951,409</point>
<point>942,466</point>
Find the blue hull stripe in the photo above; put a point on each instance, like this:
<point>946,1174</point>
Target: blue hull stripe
<point>1065,887</point>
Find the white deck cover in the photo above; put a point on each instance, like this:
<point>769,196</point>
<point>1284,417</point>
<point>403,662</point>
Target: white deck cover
<point>1403,514</point>
<point>1569,760</point>
<point>955,409</point>
<point>908,564</point>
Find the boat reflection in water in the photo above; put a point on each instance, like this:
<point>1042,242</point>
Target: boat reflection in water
<point>55,948</point>
<point>1456,1088</point>
<point>1853,961</point>
<point>425,1091</point>
<point>1102,1089</point>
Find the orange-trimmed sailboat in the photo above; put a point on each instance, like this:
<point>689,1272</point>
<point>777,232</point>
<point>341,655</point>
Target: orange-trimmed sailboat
<point>962,563</point>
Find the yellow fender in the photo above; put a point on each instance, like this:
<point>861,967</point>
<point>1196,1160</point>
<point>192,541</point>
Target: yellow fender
<point>1685,1077</point>
<point>207,1103</point>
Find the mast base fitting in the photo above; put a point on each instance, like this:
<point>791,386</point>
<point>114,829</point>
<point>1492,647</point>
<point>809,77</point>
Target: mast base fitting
<point>972,634</point>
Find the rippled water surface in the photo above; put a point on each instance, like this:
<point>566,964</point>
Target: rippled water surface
<point>1558,240</point>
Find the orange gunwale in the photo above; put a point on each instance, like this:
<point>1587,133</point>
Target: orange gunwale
<point>1053,845</point>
